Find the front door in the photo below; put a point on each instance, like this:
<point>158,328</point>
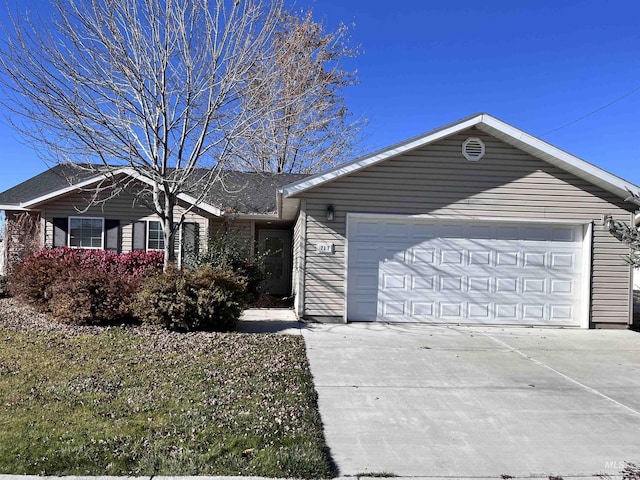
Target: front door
<point>278,261</point>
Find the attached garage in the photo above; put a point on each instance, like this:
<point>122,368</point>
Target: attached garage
<point>475,222</point>
<point>407,269</point>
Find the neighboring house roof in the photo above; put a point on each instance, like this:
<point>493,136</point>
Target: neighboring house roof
<point>486,123</point>
<point>239,192</point>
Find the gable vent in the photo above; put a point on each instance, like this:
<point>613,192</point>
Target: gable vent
<point>473,149</point>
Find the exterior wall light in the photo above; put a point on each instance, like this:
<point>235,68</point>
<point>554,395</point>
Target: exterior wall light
<point>608,222</point>
<point>330,213</point>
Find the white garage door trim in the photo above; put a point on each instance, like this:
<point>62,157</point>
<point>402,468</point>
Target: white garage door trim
<point>586,228</point>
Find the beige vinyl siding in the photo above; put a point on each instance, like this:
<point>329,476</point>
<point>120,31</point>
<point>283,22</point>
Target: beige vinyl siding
<point>241,225</point>
<point>124,208</point>
<point>438,180</point>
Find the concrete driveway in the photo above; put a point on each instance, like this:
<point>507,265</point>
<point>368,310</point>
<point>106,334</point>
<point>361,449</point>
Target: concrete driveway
<point>415,400</point>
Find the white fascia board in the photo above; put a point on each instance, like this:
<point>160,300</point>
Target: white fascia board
<point>575,165</point>
<point>65,190</point>
<point>201,205</point>
<point>122,171</point>
<point>379,156</point>
<point>182,196</point>
<point>14,208</point>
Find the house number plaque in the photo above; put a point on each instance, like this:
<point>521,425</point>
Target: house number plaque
<point>325,248</point>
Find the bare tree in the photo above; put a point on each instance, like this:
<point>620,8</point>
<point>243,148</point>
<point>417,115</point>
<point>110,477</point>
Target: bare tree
<point>156,86</point>
<point>305,126</point>
<point>627,234</point>
<point>21,238</point>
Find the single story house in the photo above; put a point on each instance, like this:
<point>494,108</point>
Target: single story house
<point>475,222</point>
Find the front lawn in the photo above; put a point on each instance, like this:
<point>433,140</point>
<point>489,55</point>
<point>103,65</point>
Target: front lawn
<point>130,401</point>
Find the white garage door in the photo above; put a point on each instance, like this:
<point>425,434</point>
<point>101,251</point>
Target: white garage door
<point>414,270</point>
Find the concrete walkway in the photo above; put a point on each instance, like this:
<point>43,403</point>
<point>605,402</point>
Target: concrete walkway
<point>271,320</point>
<point>460,402</point>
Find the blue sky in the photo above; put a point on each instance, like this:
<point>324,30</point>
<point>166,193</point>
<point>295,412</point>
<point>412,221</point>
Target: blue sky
<point>538,65</point>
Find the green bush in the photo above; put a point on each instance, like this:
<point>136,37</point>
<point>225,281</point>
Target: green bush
<point>203,298</point>
<point>91,297</point>
<point>231,249</point>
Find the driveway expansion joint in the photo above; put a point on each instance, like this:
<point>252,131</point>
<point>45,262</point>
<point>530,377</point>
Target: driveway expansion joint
<point>563,375</point>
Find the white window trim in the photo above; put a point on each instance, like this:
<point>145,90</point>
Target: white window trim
<point>101,247</point>
<point>146,240</point>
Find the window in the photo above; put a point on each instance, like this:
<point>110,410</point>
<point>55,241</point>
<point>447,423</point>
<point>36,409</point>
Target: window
<point>86,232</point>
<point>155,237</point>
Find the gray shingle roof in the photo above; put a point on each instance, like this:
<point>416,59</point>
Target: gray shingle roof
<point>56,178</point>
<point>243,192</point>
<point>250,192</point>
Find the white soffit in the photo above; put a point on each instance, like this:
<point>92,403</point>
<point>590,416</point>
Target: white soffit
<point>491,125</point>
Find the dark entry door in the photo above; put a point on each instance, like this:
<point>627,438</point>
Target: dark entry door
<point>278,262</point>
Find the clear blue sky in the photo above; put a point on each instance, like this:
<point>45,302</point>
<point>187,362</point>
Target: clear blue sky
<point>537,65</point>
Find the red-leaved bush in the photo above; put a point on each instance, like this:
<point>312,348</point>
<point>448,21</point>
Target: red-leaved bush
<point>135,263</point>
<point>81,286</point>
<point>95,287</point>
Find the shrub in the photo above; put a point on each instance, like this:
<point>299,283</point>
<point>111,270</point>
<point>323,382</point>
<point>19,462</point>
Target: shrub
<point>139,262</point>
<point>82,286</point>
<point>4,286</point>
<point>230,249</point>
<point>204,298</point>
<point>33,279</point>
<point>136,263</point>
<point>91,297</point>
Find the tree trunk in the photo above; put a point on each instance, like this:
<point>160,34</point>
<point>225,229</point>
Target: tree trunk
<point>168,232</point>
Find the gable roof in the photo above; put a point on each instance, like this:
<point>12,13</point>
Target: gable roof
<point>488,124</point>
<point>53,179</point>
<point>241,192</point>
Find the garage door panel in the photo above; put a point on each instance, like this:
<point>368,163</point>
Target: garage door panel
<point>562,260</point>
<point>424,309</point>
<point>364,282</point>
<point>479,284</point>
<point>429,272</point>
<point>480,311</point>
<point>480,257</point>
<point>424,283</point>
<point>422,256</point>
<point>394,282</point>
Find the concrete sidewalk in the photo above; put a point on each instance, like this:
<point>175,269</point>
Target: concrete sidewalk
<point>271,320</point>
<point>426,401</point>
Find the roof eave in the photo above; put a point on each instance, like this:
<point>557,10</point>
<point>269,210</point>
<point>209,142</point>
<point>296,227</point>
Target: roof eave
<point>13,208</point>
<point>254,216</point>
<point>557,157</point>
<point>126,171</point>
